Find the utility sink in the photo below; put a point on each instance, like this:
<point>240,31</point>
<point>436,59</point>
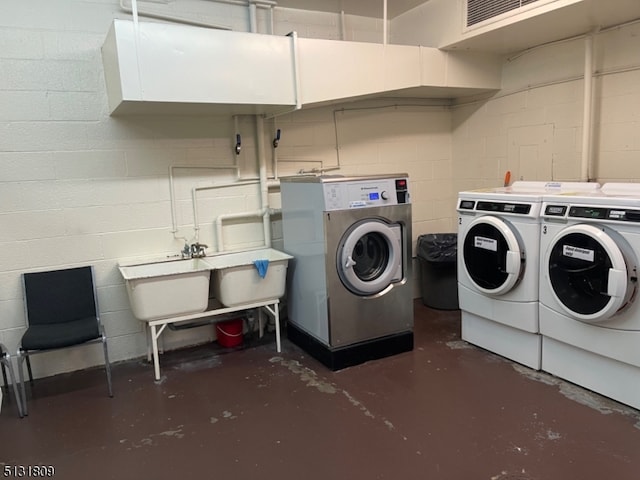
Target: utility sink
<point>237,280</point>
<point>168,288</point>
<point>172,288</point>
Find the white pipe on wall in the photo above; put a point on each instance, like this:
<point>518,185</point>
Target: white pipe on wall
<point>171,18</point>
<point>194,197</point>
<point>274,150</point>
<point>134,10</point>
<point>585,165</point>
<point>253,18</point>
<point>263,212</point>
<point>260,3</point>
<point>172,195</point>
<point>264,190</point>
<point>384,22</point>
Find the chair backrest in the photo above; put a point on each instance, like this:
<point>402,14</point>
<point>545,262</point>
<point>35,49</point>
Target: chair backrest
<point>59,295</point>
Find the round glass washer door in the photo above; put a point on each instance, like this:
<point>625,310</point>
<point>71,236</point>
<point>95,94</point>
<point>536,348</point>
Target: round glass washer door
<point>369,256</point>
<point>587,273</point>
<point>492,256</point>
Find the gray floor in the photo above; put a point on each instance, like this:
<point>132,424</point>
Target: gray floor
<point>446,410</point>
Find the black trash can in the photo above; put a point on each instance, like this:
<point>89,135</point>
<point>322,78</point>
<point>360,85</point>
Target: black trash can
<point>438,256</point>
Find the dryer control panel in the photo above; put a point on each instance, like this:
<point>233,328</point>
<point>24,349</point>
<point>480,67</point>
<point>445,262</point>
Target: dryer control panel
<point>365,193</point>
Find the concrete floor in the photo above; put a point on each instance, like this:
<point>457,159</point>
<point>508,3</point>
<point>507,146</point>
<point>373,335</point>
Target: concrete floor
<point>446,410</point>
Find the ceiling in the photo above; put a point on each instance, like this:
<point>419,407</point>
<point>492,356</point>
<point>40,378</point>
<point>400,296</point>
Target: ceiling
<point>364,8</point>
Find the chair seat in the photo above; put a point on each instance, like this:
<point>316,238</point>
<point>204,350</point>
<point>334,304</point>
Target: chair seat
<point>60,335</point>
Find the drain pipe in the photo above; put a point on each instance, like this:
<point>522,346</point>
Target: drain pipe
<point>262,160</point>
<point>264,189</point>
<point>586,167</point>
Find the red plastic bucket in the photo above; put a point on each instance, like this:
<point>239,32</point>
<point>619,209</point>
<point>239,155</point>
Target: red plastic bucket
<point>229,333</point>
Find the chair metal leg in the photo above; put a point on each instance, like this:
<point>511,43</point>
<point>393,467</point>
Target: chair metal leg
<point>4,376</point>
<point>107,365</point>
<point>29,369</point>
<point>5,360</point>
<point>21,358</point>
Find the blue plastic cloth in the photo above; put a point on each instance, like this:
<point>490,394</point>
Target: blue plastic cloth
<point>261,266</point>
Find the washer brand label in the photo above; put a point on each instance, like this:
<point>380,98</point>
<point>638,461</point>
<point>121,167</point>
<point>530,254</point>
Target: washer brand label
<point>579,253</point>
<point>486,243</point>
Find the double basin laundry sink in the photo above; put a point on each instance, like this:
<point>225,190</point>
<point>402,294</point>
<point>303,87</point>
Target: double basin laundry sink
<point>176,287</point>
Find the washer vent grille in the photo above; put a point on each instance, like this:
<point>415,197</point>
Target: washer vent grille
<point>480,10</point>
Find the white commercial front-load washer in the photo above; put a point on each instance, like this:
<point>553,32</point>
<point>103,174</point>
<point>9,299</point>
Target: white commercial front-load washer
<point>498,267</point>
<point>589,311</point>
<point>349,292</point>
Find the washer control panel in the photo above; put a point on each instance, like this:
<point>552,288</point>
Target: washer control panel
<point>365,193</point>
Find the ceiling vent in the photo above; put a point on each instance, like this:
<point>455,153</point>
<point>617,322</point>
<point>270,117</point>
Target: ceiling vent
<point>479,11</point>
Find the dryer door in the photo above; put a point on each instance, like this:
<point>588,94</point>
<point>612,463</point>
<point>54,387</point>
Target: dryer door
<point>587,273</point>
<point>369,256</point>
<point>492,255</point>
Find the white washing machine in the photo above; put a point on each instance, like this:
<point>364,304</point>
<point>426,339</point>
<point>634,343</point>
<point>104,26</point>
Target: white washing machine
<point>498,267</point>
<point>349,293</point>
<point>589,313</point>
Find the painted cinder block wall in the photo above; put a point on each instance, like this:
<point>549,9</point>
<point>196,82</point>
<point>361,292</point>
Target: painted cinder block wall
<point>534,125</point>
<point>80,187</point>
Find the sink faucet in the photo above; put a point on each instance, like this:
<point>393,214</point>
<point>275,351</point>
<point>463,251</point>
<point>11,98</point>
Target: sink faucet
<point>195,250</point>
<point>198,250</point>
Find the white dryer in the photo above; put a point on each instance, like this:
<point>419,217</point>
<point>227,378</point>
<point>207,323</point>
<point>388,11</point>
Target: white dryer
<point>589,313</point>
<point>498,267</point>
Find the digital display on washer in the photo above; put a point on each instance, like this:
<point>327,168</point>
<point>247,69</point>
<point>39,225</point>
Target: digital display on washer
<point>374,196</point>
<point>629,215</point>
<point>467,204</point>
<point>589,212</point>
<point>518,208</point>
<point>600,213</point>
<point>556,210</point>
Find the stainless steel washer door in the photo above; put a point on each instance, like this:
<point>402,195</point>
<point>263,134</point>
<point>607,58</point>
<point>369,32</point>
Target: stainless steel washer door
<point>369,257</point>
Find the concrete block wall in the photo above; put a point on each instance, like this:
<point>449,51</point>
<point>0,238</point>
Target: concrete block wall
<point>80,187</point>
<point>533,126</point>
<point>404,136</point>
